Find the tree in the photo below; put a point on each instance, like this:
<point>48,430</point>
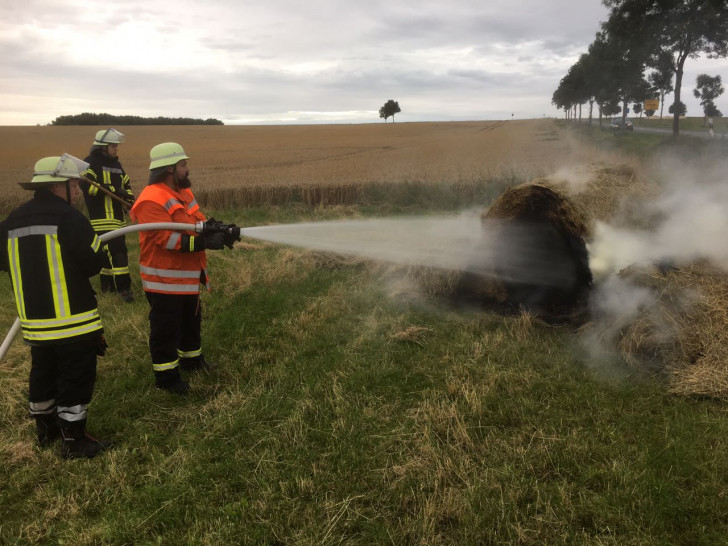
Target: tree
<point>390,108</point>
<point>678,109</point>
<point>680,29</point>
<point>707,89</point>
<point>661,78</point>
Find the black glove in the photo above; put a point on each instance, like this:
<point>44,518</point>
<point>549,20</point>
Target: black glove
<point>214,241</point>
<point>101,346</point>
<point>232,235</point>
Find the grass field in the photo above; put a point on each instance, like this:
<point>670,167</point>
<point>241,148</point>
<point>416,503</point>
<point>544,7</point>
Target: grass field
<point>351,408</point>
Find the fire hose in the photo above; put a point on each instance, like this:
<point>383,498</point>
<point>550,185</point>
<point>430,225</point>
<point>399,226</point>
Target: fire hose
<point>231,231</point>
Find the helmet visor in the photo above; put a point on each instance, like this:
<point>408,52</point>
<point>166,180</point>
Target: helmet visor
<point>110,136</point>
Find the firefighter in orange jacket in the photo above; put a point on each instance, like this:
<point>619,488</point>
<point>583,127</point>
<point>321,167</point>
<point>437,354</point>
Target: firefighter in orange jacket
<point>172,265</point>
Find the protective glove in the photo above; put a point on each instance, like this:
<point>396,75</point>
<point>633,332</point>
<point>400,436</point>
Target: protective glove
<point>232,236</point>
<point>214,241</point>
<point>101,346</point>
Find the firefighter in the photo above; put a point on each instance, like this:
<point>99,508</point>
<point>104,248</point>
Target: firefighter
<point>50,250</point>
<point>172,266</point>
<point>106,210</point>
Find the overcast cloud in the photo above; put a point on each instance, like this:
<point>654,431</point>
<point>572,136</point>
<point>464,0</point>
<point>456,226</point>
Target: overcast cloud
<point>282,61</point>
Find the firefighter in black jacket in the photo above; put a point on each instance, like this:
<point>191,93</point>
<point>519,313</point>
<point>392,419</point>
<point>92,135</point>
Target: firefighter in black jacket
<point>50,250</point>
<point>106,212</point>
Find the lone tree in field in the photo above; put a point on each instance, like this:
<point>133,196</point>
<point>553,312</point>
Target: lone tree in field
<point>390,108</point>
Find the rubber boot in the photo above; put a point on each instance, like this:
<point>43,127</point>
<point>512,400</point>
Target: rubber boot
<point>46,430</point>
<point>79,444</point>
<point>198,363</point>
<point>171,381</point>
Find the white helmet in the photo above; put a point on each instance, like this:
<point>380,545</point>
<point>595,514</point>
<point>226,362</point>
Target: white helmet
<point>108,136</point>
<point>54,169</point>
<point>166,154</point>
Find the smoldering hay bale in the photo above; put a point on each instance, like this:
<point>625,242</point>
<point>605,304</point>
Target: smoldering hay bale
<point>536,260</point>
<point>683,332</point>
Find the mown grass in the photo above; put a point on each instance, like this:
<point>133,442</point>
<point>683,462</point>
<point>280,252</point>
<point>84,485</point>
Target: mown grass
<point>345,412</point>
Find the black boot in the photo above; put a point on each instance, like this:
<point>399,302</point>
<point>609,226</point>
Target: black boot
<point>46,430</point>
<point>79,444</point>
<point>127,295</point>
<point>197,363</point>
<point>170,380</point>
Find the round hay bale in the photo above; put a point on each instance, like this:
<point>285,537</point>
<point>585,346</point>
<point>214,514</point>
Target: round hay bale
<point>536,256</point>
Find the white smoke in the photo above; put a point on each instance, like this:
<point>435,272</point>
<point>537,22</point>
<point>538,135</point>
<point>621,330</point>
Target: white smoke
<point>688,222</point>
<point>693,224</point>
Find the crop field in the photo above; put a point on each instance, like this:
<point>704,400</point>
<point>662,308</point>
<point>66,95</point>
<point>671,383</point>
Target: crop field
<point>327,164</point>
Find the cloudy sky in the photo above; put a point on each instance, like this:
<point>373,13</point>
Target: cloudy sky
<point>286,61</point>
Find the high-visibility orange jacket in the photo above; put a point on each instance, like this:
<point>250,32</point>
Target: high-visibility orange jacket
<point>163,267</point>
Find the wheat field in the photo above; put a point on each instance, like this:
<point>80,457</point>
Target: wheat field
<point>327,162</point>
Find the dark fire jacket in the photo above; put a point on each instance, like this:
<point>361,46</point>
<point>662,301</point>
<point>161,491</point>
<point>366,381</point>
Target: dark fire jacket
<point>105,212</point>
<point>50,250</point>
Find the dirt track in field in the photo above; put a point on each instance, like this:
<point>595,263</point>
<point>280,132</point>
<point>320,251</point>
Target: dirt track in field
<point>233,156</point>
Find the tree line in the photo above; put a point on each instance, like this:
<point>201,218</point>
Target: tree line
<point>88,118</point>
<point>640,53</point>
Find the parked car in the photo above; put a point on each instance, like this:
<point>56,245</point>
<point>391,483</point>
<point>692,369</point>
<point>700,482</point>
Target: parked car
<point>618,123</point>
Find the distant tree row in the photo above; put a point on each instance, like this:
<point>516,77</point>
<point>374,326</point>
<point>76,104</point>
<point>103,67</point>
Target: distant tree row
<point>638,53</point>
<point>88,118</point>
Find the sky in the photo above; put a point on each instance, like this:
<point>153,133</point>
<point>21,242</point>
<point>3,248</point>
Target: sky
<point>292,62</point>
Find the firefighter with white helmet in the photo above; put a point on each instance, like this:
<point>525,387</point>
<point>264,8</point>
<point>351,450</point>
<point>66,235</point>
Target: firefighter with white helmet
<point>50,251</point>
<point>172,265</point>
<point>106,208</point>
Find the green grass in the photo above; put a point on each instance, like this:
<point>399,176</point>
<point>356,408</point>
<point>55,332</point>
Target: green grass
<point>345,413</point>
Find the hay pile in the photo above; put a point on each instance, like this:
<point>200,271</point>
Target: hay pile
<point>683,333</point>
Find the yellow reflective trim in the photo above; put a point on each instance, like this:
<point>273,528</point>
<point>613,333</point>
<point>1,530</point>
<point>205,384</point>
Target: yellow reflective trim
<point>54,322</point>
<point>189,354</point>
<point>96,243</point>
<point>58,277</point>
<point>16,276</point>
<point>165,366</point>
<point>61,334</point>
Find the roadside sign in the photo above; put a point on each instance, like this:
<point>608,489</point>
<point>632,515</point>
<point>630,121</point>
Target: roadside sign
<point>652,104</point>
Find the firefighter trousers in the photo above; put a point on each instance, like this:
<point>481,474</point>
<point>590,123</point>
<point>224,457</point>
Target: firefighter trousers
<point>62,379</point>
<point>115,274</point>
<point>174,329</point>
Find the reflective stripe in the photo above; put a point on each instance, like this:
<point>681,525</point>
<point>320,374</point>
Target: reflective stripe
<point>73,413</point>
<point>55,323</point>
<point>165,366</point>
<point>52,335</point>
<point>173,239</point>
<point>96,243</point>
<point>16,276</point>
<point>58,276</point>
<point>189,354</point>
<point>172,204</point>
<point>43,408</point>
<point>112,170</point>
<point>171,273</point>
<point>170,287</point>
<point>32,230</point>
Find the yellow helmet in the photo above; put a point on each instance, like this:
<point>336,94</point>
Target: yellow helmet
<point>165,154</point>
<point>108,136</point>
<point>54,169</point>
